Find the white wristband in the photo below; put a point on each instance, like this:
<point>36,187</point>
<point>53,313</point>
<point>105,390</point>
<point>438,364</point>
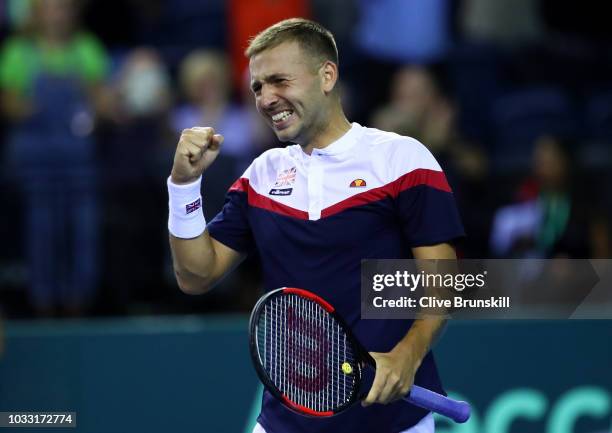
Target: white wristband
<point>186,219</point>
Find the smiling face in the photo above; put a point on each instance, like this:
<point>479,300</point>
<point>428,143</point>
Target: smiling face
<point>291,92</point>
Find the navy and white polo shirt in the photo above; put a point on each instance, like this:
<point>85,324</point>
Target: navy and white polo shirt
<point>313,218</point>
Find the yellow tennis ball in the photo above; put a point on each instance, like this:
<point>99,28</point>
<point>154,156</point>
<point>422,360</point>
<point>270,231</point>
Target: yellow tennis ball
<point>347,368</point>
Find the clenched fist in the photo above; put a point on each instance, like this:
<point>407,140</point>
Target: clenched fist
<point>196,150</point>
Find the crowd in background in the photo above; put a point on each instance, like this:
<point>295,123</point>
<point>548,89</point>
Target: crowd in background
<point>513,97</point>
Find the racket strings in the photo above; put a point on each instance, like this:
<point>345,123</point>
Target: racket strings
<point>303,350</point>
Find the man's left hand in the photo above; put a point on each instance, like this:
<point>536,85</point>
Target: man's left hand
<point>394,376</point>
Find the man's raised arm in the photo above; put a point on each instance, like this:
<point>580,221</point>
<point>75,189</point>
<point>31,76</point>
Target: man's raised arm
<point>199,260</point>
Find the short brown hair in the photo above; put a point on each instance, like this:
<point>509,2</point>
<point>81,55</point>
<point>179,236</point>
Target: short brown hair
<point>312,37</point>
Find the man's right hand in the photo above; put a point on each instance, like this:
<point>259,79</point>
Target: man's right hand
<point>196,150</point>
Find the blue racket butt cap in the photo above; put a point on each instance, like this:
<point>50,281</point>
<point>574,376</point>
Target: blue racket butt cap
<point>464,412</point>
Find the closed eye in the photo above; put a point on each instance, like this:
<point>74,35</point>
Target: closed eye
<point>273,80</point>
<point>281,81</point>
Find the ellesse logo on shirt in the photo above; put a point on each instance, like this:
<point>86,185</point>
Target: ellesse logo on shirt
<point>281,191</point>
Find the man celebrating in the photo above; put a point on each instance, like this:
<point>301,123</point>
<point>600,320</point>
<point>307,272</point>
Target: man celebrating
<point>314,210</point>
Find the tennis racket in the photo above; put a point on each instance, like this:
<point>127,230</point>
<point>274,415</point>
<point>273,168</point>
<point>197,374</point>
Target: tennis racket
<point>307,357</point>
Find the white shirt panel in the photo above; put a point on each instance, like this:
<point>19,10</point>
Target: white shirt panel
<point>369,156</point>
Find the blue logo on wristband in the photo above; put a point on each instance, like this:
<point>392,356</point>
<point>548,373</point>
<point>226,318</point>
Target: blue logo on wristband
<point>192,207</point>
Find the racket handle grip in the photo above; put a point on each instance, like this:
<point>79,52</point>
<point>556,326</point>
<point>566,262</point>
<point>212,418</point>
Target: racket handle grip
<point>458,411</point>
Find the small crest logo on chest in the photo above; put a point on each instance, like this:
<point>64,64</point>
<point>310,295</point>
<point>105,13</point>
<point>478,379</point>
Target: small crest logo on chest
<point>284,179</point>
<point>358,183</point>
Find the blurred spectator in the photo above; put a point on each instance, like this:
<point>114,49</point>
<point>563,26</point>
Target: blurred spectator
<point>51,79</point>
<point>555,218</point>
<point>135,164</point>
<point>416,108</point>
<point>144,85</point>
<point>142,98</point>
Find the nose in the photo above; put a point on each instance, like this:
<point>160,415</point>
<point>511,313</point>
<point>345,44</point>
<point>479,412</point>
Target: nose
<point>267,98</point>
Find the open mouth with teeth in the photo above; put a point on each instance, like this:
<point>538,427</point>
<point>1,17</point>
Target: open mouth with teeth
<point>282,118</point>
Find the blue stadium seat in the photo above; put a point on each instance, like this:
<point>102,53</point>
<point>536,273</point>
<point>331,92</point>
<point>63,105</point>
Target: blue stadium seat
<point>598,113</point>
<point>596,151</point>
<point>191,24</point>
<point>521,116</point>
<point>475,75</point>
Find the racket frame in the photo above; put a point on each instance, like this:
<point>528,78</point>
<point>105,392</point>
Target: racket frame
<point>362,357</point>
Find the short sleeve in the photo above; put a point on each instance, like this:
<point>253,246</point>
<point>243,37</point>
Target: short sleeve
<point>231,226</point>
<point>425,203</point>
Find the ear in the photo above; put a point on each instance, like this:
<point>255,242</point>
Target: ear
<point>328,72</point>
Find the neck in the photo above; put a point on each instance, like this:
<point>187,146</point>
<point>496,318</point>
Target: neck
<point>337,126</point>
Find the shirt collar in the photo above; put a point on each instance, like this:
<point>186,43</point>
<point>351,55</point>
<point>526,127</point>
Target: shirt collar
<point>343,144</point>
<point>338,149</point>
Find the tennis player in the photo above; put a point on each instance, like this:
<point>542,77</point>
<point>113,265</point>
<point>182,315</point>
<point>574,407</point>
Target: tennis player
<point>338,193</point>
